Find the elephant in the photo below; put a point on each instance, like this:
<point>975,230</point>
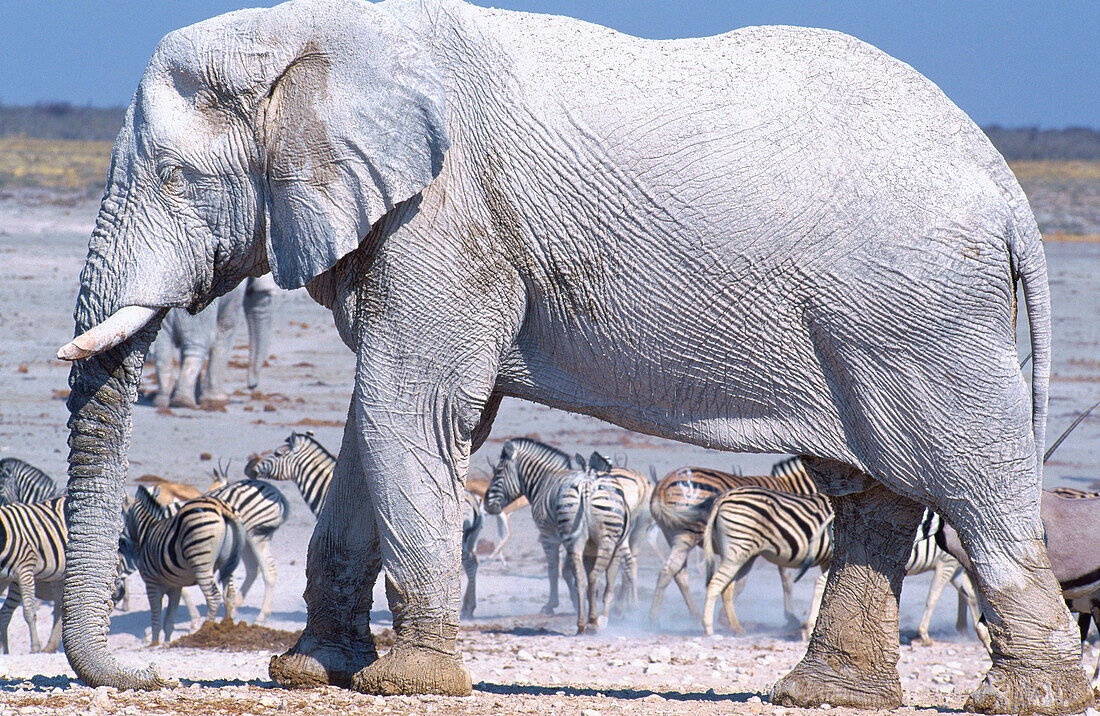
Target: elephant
<point>207,338</point>
<point>777,240</point>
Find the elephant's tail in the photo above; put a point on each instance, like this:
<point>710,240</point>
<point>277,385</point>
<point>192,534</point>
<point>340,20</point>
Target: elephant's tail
<point>1029,265</point>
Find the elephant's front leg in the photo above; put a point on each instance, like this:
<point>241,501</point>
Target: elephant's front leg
<point>341,568</point>
<point>853,652</point>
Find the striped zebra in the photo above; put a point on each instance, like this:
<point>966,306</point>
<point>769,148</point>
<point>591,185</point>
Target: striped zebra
<point>305,462</point>
<point>301,460</point>
<point>32,560</point>
<point>637,489</point>
<point>203,536</point>
<point>592,518</point>
<point>794,530</point>
<point>787,529</point>
<point>261,509</point>
<point>537,471</point>
<point>21,482</point>
<point>681,504</point>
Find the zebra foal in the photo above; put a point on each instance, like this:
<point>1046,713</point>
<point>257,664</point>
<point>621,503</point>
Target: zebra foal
<point>592,513</point>
<point>32,559</point>
<point>21,482</point>
<point>172,552</point>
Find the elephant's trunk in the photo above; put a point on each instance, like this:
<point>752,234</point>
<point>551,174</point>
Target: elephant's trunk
<point>259,313</point>
<point>102,391</point>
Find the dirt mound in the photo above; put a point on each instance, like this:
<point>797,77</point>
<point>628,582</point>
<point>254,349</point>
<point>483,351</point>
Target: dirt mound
<point>228,635</point>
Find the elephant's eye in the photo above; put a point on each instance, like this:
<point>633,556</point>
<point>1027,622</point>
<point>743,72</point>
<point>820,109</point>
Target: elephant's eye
<point>171,178</point>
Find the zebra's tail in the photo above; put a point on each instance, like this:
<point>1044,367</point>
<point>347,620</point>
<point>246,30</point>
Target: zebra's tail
<point>708,542</point>
<point>237,544</point>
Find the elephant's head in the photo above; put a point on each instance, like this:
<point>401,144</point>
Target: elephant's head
<point>262,139</point>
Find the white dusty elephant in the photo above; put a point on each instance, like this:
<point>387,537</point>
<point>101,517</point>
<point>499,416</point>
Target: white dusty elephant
<point>206,338</point>
<point>777,239</point>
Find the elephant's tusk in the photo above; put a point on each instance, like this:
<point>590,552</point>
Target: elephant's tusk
<point>120,326</point>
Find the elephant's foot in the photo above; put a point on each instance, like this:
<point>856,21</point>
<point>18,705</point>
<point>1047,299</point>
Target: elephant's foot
<point>409,670</point>
<point>1060,689</point>
<point>182,400</point>
<point>817,681</point>
<point>309,664</point>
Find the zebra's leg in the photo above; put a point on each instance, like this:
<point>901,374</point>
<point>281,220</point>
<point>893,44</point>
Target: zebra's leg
<point>267,566</point>
<point>25,573</point>
<point>469,565</point>
<point>504,531</point>
<point>204,575</point>
<point>735,564</point>
<point>729,596</point>
<point>853,651</point>
<point>170,613</point>
<point>230,598</point>
<point>156,597</point>
<point>343,562</point>
<point>575,554</point>
<point>608,560</point>
<point>788,598</point>
<point>1096,618</point>
<point>969,597</point>
<point>55,631</point>
<point>550,547</point>
<point>192,610</point>
<point>11,601</point>
<point>680,545</point>
<point>815,602</point>
<point>941,575</point>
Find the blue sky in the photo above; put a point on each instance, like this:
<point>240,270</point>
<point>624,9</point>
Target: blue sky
<point>1009,62</point>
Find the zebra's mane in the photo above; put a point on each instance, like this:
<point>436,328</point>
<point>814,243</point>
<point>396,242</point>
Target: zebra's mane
<point>541,451</point>
<point>296,438</point>
<point>788,467</point>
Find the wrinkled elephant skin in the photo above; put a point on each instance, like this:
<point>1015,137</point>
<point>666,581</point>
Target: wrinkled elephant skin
<point>777,239</point>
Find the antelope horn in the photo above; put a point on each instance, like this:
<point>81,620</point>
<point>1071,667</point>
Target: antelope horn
<point>119,327</point>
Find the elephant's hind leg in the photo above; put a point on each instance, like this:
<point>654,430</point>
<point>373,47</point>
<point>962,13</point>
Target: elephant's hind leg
<point>853,652</point>
<point>342,565</point>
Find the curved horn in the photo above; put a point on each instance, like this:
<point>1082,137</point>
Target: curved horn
<point>1074,424</point>
<point>120,326</point>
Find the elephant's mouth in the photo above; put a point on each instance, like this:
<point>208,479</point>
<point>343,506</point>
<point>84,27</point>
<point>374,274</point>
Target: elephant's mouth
<point>119,327</point>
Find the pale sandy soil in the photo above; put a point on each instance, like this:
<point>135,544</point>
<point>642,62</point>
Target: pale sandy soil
<point>520,662</point>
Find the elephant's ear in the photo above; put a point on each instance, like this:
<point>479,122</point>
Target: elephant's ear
<point>352,125</point>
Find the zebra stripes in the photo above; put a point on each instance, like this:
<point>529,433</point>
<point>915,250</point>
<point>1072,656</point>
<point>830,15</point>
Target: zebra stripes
<point>681,505</point>
<point>536,470</point>
<point>592,514</point>
<point>21,482</point>
<point>186,548</point>
<point>301,460</point>
<point>261,509</point>
<point>32,559</point>
<point>471,527</point>
<point>787,529</point>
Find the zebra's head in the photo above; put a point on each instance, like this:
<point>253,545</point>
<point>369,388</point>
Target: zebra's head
<point>275,464</point>
<point>504,487</point>
<point>142,514</point>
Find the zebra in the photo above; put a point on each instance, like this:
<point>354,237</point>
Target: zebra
<point>305,462</point>
<point>681,504</point>
<point>537,471</point>
<point>592,518</point>
<point>203,536</point>
<point>787,529</point>
<point>261,509</point>
<point>32,560</point>
<point>637,489</point>
<point>302,460</point>
<point>21,482</point>
<point>793,530</point>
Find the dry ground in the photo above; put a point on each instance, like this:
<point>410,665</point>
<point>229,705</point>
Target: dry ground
<point>520,662</point>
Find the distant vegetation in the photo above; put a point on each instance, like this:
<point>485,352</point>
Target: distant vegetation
<point>59,151</point>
